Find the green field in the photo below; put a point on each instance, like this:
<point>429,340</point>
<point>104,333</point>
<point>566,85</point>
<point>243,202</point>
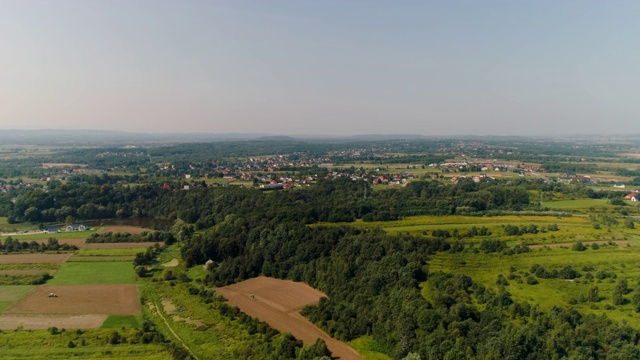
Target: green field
<point>60,235</point>
<point>13,293</point>
<point>570,228</point>
<point>367,347</point>
<point>109,252</point>
<point>9,294</point>
<point>6,227</point>
<point>111,272</point>
<point>485,268</point>
<point>38,266</point>
<point>91,344</point>
<point>579,204</point>
<point>120,321</point>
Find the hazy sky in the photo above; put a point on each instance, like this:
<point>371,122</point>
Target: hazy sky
<point>321,67</point>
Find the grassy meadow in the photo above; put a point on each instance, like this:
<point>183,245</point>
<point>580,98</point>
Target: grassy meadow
<point>89,344</point>
<point>122,321</point>
<point>103,272</point>
<point>60,235</point>
<point>618,260</point>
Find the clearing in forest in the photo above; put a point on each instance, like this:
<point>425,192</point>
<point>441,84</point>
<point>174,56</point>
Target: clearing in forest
<point>277,303</point>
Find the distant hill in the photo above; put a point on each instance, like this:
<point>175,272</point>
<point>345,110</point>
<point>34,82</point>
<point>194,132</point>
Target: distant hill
<point>110,137</point>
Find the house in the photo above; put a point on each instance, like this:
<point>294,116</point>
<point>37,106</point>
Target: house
<point>77,227</point>
<point>275,186</point>
<point>52,229</point>
<point>207,264</point>
<point>619,185</point>
<point>633,197</point>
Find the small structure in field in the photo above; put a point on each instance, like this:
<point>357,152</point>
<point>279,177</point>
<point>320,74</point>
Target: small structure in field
<point>207,264</point>
<point>52,229</point>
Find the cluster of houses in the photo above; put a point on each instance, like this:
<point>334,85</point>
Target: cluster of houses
<point>4,187</point>
<point>71,227</point>
<point>453,166</point>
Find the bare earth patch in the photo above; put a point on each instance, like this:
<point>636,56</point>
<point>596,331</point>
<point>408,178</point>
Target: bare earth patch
<point>173,263</point>
<point>34,258</point>
<point>87,321</point>
<point>124,229</point>
<point>622,243</point>
<point>168,306</point>
<point>128,245</point>
<point>277,303</point>
<point>79,300</point>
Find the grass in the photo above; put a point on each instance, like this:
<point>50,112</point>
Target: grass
<point>40,344</point>
<point>368,348</point>
<point>100,259</point>
<point>22,279</point>
<point>14,292</point>
<point>77,273</point>
<point>60,235</point>
<point>4,305</point>
<point>579,204</point>
<point>110,252</point>
<point>571,228</point>
<point>10,294</point>
<point>485,268</point>
<point>120,321</point>
<point>6,227</point>
<point>39,266</point>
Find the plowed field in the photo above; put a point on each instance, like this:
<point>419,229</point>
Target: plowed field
<point>90,321</point>
<point>277,303</point>
<point>80,299</point>
<point>33,258</point>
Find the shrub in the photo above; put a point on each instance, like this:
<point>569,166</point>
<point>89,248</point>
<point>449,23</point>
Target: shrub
<point>578,246</point>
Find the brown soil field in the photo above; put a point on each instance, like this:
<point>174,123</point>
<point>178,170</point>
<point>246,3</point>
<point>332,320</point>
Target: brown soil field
<point>621,243</point>
<point>26,272</point>
<point>124,229</point>
<point>52,165</point>
<point>34,322</point>
<point>277,303</point>
<point>129,245</point>
<point>80,300</point>
<point>34,258</point>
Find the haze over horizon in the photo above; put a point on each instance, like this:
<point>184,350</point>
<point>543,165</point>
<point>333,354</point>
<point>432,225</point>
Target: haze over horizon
<point>321,68</point>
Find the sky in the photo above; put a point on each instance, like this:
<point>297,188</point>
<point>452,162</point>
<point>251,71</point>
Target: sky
<point>322,67</point>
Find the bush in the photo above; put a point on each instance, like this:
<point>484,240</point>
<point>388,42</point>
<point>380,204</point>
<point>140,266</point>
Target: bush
<point>578,246</point>
<point>491,246</point>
